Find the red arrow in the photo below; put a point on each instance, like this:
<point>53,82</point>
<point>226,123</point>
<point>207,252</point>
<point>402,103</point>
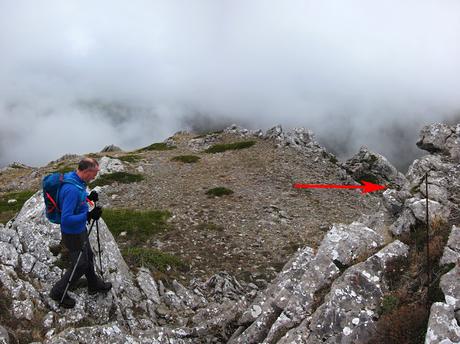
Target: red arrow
<point>366,187</point>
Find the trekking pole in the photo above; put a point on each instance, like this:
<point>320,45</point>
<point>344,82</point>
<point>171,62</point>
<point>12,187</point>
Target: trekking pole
<point>76,264</point>
<point>99,249</point>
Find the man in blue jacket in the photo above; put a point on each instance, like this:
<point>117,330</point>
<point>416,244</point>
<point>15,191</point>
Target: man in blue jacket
<point>74,216</point>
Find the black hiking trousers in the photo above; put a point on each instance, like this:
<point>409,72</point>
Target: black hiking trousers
<point>74,243</point>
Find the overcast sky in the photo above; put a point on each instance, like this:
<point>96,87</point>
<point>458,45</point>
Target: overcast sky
<point>78,75</point>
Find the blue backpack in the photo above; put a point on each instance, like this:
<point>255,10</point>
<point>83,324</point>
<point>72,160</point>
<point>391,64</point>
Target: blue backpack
<point>51,185</point>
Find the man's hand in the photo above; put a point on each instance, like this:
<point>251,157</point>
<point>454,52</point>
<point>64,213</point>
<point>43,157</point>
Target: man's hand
<point>93,196</point>
<point>95,214</point>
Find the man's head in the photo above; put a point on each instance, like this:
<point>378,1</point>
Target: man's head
<point>88,169</point>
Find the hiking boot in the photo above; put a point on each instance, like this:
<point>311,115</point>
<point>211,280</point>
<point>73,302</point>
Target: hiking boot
<point>67,302</point>
<point>101,287</point>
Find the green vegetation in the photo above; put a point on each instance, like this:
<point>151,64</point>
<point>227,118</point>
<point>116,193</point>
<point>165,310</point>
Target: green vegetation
<point>120,177</point>
<point>139,225</point>
<point>7,211</point>
<point>368,177</point>
<point>389,303</point>
<point>16,165</point>
<point>159,146</point>
<point>152,259</point>
<point>222,147</point>
<point>219,191</point>
<point>129,158</point>
<point>189,159</point>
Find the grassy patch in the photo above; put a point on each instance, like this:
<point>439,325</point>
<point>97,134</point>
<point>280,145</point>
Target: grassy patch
<point>222,147</point>
<point>152,259</point>
<point>159,146</point>
<point>139,225</point>
<point>120,177</point>
<point>7,211</point>
<point>129,158</point>
<point>189,159</point>
<point>218,192</point>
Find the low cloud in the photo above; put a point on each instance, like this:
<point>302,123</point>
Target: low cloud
<point>78,75</point>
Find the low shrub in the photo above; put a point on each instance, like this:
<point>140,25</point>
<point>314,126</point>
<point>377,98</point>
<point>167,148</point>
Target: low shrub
<point>130,158</point>
<point>120,177</point>
<point>405,324</point>
<point>389,303</point>
<point>159,146</point>
<point>222,147</point>
<point>218,192</point>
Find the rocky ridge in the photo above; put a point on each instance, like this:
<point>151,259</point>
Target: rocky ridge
<point>329,294</point>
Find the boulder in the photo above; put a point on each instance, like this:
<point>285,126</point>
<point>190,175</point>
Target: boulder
<point>372,167</point>
<point>403,223</point>
<point>435,209</point>
<point>441,138</point>
<point>393,200</point>
<point>344,243</point>
<point>452,250</point>
<point>110,165</point>
<point>443,328</point>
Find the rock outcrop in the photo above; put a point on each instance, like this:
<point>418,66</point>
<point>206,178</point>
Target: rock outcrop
<point>375,168</point>
<point>111,148</point>
<point>441,138</point>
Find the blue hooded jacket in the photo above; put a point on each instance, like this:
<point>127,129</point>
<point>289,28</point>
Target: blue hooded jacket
<point>72,201</point>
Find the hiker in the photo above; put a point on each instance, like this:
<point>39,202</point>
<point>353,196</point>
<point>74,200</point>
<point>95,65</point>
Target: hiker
<point>72,200</point>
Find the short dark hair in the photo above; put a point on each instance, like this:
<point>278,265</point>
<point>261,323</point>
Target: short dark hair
<point>87,163</point>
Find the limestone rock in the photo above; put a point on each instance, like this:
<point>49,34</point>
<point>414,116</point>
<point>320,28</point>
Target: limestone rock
<point>393,200</point>
<point>443,328</point>
<point>375,168</point>
<point>297,138</point>
<point>111,148</point>
<point>403,223</point>
<point>435,209</point>
<point>452,250</point>
<point>344,243</point>
<point>4,337</point>
<point>349,309</point>
<point>110,165</point>
<point>441,138</point>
